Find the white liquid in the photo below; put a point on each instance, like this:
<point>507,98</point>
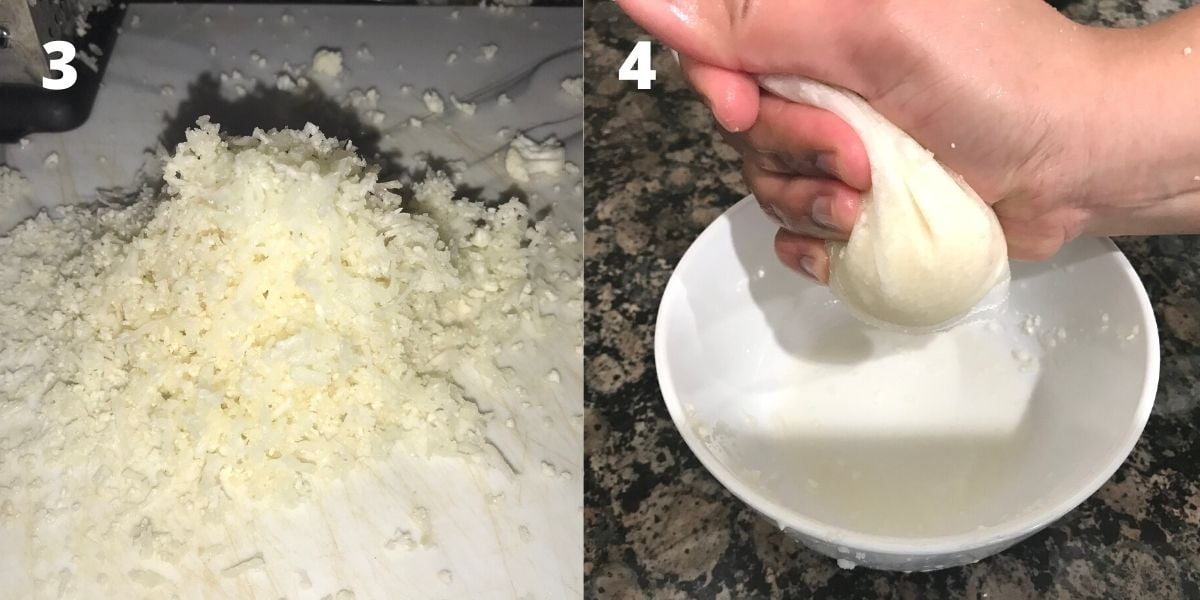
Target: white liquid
<point>857,382</point>
<point>891,434</point>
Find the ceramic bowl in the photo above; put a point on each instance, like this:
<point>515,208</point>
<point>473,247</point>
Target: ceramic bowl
<point>895,451</point>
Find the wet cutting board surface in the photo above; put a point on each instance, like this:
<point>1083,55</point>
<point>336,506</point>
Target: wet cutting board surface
<point>491,532</point>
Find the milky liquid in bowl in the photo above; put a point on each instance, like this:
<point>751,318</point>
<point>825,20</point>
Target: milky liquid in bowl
<point>877,425</point>
<point>929,445</point>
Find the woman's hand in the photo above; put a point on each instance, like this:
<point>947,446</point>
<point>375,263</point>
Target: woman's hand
<point>1033,110</point>
<point>807,168</point>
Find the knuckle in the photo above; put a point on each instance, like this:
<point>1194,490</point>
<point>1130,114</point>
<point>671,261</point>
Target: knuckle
<point>739,13</point>
<point>766,206</point>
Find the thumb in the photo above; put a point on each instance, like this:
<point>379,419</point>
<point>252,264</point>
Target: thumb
<point>754,36</point>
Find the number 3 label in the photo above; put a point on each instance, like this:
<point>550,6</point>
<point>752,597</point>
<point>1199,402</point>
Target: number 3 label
<point>62,64</point>
<point>637,66</point>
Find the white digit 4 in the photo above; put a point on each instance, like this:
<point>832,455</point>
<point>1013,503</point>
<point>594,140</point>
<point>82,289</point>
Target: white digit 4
<point>62,64</point>
<point>637,66</point>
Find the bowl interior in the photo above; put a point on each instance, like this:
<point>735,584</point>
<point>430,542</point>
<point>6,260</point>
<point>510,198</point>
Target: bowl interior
<point>845,432</point>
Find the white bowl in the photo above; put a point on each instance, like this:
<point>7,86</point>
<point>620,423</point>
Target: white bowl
<point>895,451</point>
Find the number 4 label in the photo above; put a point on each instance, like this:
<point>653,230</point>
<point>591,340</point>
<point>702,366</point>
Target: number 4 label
<point>637,66</point>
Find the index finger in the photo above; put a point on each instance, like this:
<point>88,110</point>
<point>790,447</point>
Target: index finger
<point>732,96</point>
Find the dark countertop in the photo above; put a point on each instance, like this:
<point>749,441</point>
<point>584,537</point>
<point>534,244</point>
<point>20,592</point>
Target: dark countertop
<point>660,526</point>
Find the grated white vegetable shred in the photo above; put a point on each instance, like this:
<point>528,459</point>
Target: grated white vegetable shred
<point>268,320</point>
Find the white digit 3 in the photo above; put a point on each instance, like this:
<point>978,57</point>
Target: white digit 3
<point>62,65</point>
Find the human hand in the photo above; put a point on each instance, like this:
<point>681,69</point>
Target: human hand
<point>1011,97</point>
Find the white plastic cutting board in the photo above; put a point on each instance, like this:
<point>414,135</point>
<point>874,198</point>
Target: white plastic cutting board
<point>495,535</point>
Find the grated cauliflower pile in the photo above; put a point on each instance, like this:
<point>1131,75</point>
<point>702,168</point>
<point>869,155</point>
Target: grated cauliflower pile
<point>269,319</point>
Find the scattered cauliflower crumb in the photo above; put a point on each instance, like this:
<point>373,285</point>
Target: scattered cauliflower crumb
<point>51,160</point>
<point>327,62</point>
<point>502,9</point>
<point>573,86</point>
<point>487,52</point>
<point>401,539</point>
<point>467,108</point>
<point>526,158</point>
<point>361,100</point>
<point>284,82</point>
<point>433,102</point>
<point>235,75</point>
<point>503,99</point>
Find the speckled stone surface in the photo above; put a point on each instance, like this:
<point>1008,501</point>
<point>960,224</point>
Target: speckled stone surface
<point>659,526</point>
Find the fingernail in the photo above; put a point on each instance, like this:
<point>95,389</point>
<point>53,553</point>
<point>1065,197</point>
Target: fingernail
<point>809,265</point>
<point>822,212</point>
<point>724,125</point>
<point>827,163</point>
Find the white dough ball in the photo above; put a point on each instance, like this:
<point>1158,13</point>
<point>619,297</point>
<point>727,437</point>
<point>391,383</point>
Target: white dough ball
<point>926,251</point>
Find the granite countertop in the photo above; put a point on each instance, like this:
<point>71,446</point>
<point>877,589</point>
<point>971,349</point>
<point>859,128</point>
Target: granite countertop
<point>660,526</point>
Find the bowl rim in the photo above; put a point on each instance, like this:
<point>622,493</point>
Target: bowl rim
<point>1015,529</point>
